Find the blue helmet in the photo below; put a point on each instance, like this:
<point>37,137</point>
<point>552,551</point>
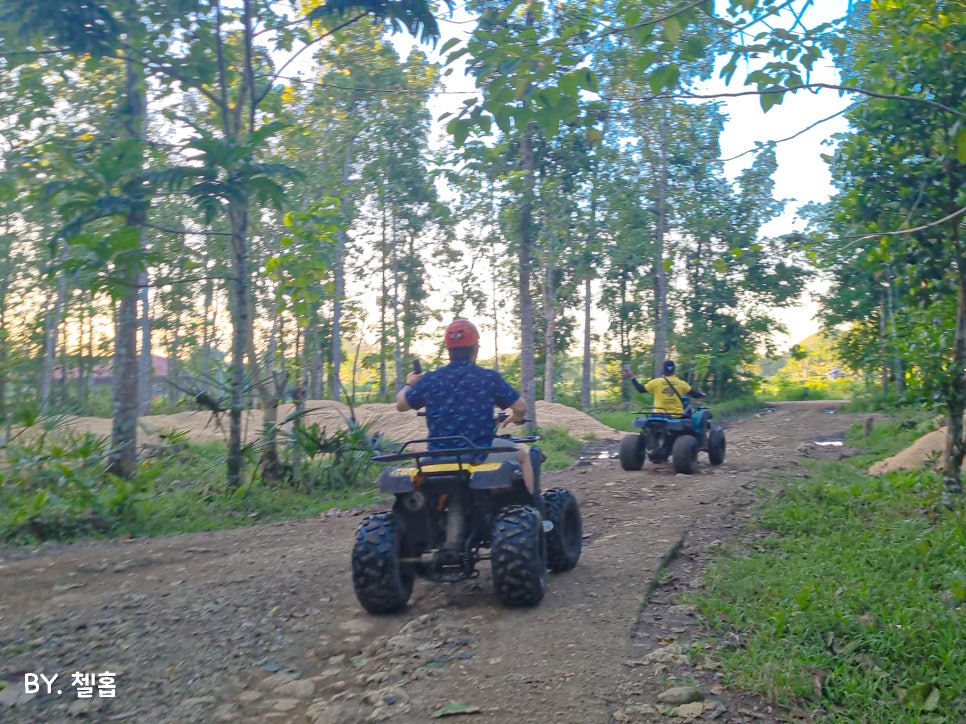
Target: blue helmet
<point>669,367</point>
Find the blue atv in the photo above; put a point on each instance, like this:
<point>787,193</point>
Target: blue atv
<point>679,437</point>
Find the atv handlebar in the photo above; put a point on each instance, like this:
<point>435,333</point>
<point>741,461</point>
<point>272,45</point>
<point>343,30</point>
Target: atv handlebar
<point>504,416</point>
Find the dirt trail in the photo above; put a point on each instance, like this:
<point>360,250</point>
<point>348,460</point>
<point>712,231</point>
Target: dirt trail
<point>261,624</point>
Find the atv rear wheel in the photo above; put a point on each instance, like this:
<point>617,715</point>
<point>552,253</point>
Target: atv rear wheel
<point>684,455</point>
<point>631,455</point>
<point>382,583</point>
<point>519,556</point>
<point>566,540</point>
<point>716,446</point>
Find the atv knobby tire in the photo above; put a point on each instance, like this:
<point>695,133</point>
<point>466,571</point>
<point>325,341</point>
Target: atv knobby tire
<point>684,455</point>
<point>382,583</point>
<point>566,540</point>
<point>631,455</point>
<point>519,556</point>
<point>716,446</point>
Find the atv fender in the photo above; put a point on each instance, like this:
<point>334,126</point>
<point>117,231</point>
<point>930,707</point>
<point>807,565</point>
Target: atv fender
<point>393,480</point>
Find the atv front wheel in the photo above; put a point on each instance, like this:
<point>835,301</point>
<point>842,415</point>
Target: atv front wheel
<point>382,583</point>
<point>566,540</point>
<point>519,556</point>
<point>684,455</point>
<point>716,446</point>
<point>631,455</point>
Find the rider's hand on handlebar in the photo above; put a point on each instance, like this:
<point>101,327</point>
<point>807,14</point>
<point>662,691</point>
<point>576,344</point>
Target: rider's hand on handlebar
<point>412,378</point>
<point>628,373</point>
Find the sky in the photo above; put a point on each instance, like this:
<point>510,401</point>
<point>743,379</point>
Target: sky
<point>802,176</point>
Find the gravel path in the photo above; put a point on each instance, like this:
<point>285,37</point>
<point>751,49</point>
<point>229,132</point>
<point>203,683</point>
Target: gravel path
<point>261,624</point>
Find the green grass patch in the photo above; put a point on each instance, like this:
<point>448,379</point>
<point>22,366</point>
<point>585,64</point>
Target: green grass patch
<point>889,438</point>
<point>814,388</point>
<point>559,446</point>
<point>624,421</point>
<point>736,408</point>
<point>192,509</point>
<point>616,419</point>
<point>58,489</point>
<point>853,599</point>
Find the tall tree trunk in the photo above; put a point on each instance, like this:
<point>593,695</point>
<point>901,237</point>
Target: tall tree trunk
<point>206,335</point>
<point>396,332</point>
<point>52,322</point>
<point>125,380</point>
<point>239,296</point>
<point>587,365</point>
<point>124,423</point>
<point>952,495</point>
<point>550,313</point>
<point>335,383</point>
<point>174,361</point>
<point>660,275</point>
<point>624,335</point>
<point>240,284</point>
<point>91,361</point>
<point>145,373</point>
<point>4,352</point>
<point>586,368</point>
<point>883,345</point>
<point>894,337</point>
<point>408,310</point>
<point>82,314</point>
<point>318,363</point>
<point>273,387</point>
<point>527,357</point>
<point>383,298</point>
<point>496,299</point>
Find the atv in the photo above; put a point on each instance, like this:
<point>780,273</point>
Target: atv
<point>679,437</point>
<point>448,511</point>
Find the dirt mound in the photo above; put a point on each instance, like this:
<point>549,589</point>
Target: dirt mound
<point>577,423</point>
<point>914,457</point>
<point>203,426</point>
<point>408,426</point>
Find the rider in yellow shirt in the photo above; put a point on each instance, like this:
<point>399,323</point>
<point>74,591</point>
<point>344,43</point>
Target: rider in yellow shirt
<point>667,389</point>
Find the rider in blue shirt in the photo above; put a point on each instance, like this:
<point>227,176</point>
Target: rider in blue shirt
<point>459,399</point>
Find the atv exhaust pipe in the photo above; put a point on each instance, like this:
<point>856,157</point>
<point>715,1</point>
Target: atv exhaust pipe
<point>455,524</point>
<point>414,502</point>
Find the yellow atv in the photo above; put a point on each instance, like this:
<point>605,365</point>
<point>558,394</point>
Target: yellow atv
<point>450,513</point>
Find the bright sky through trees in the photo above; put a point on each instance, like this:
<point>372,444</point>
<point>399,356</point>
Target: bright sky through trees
<point>798,126</point>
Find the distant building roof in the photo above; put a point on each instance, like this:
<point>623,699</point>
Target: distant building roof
<point>103,369</point>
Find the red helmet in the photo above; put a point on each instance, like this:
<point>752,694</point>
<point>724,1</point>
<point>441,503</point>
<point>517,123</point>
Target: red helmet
<point>462,333</point>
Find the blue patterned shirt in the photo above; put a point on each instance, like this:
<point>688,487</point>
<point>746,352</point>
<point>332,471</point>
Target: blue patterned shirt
<point>459,400</point>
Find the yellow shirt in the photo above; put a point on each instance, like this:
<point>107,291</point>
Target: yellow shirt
<point>665,400</point>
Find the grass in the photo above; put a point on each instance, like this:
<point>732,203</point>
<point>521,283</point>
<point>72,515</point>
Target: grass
<point>56,490</point>
<point>190,495</point>
<point>181,489</point>
<point>559,446</point>
<point>624,421</point>
<point>852,598</point>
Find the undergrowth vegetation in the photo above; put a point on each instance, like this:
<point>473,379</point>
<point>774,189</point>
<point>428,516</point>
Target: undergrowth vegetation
<point>55,484</point>
<point>850,601</point>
